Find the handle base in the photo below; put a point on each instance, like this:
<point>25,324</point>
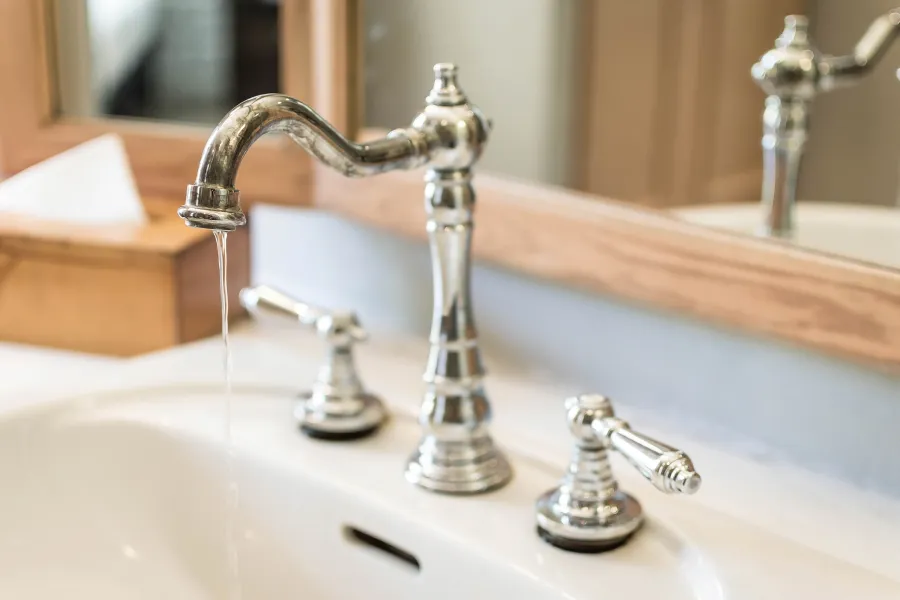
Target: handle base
<point>587,527</point>
<point>587,512</point>
<point>339,417</point>
<point>471,466</point>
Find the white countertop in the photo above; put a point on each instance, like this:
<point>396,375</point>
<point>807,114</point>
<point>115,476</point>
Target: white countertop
<point>26,368</point>
<point>819,512</point>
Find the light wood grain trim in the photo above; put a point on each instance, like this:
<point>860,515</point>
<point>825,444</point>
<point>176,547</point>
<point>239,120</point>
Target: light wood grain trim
<point>695,66</point>
<point>667,104</point>
<point>50,301</point>
<point>839,307</point>
<point>118,290</point>
<point>164,234</point>
<point>164,157</point>
<point>47,58</point>
<point>615,147</point>
<point>295,47</point>
<point>336,60</point>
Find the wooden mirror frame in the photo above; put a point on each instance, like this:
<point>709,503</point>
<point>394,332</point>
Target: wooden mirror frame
<point>838,306</point>
<point>163,157</point>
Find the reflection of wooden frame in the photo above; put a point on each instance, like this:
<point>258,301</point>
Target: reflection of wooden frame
<point>685,127</point>
<point>163,158</point>
<point>837,306</point>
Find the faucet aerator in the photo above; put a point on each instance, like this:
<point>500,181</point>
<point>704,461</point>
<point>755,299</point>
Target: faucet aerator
<point>212,207</point>
<point>214,220</point>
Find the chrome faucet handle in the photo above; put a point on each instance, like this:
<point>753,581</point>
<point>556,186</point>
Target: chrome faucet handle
<point>587,512</point>
<point>337,407</point>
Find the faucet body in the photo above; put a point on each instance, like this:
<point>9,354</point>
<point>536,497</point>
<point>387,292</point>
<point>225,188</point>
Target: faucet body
<point>792,74</point>
<point>456,453</point>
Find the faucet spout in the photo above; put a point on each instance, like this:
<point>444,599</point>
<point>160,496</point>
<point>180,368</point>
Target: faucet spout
<point>213,201</point>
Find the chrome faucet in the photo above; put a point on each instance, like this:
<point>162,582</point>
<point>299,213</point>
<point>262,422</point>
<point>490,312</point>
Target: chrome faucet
<point>587,512</point>
<point>456,454</point>
<point>792,74</point>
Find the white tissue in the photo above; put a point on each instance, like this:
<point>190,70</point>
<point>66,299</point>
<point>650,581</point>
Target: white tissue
<point>90,184</point>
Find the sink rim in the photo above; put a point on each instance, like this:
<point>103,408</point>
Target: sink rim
<point>744,218</point>
<point>114,404</point>
<point>165,409</point>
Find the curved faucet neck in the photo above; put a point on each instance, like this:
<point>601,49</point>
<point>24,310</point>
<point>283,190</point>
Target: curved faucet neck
<point>253,118</point>
<point>213,201</point>
<point>448,135</point>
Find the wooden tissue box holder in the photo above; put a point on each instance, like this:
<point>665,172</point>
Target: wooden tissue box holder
<point>119,290</point>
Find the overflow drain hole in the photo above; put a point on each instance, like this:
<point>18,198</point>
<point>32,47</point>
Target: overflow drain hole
<point>358,536</point>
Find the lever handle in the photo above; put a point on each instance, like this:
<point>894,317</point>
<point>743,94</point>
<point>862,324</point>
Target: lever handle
<point>338,407</point>
<point>593,420</point>
<point>263,301</point>
<point>669,470</point>
<point>587,512</point>
<point>340,328</point>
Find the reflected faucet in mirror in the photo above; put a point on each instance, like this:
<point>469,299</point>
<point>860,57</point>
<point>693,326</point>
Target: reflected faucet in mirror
<point>456,454</point>
<point>792,74</point>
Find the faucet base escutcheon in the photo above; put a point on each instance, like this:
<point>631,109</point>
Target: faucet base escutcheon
<point>598,528</point>
<point>458,467</point>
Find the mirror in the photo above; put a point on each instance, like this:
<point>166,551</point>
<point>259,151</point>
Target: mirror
<point>518,70</point>
<point>167,60</point>
<point>648,102</point>
<point>653,102</point>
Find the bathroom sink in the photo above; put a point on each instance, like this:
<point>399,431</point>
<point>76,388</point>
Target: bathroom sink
<point>861,232</point>
<point>126,495</point>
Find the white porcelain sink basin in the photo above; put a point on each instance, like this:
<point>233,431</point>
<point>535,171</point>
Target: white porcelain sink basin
<point>125,496</point>
<point>860,232</point>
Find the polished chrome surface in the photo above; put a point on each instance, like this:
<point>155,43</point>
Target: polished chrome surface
<point>789,75</point>
<point>214,203</point>
<point>792,74</point>
<point>456,453</point>
<point>587,512</point>
<point>337,407</point>
<point>785,126</point>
